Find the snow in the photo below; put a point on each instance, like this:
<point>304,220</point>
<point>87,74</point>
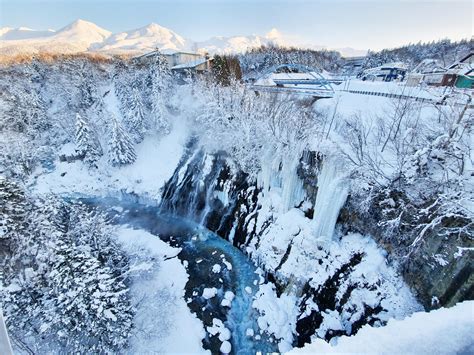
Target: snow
<point>157,158</point>
<point>224,334</point>
<point>229,295</point>
<point>277,315</point>
<point>443,331</point>
<point>158,294</point>
<point>144,39</point>
<point>225,303</point>
<point>76,37</point>
<point>208,293</point>
<point>239,44</point>
<point>81,36</point>
<point>226,347</point>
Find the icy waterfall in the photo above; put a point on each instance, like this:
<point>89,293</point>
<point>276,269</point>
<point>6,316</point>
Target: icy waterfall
<point>333,188</point>
<point>279,175</point>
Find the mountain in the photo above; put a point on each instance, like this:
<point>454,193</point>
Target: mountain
<point>78,36</point>
<point>238,44</point>
<point>144,39</point>
<point>82,35</point>
<point>82,32</point>
<point>8,33</point>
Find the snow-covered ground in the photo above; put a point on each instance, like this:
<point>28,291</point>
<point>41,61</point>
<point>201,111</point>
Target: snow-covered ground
<point>163,322</point>
<point>157,158</point>
<point>443,331</point>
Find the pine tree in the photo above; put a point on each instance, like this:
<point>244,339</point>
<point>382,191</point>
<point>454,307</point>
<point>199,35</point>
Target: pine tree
<point>160,93</point>
<point>87,143</point>
<point>64,278</point>
<point>136,120</point>
<point>121,150</point>
<point>13,210</point>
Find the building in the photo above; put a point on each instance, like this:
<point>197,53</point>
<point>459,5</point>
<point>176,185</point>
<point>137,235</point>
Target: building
<point>353,65</point>
<point>385,72</point>
<point>463,70</point>
<point>459,74</point>
<point>180,62</point>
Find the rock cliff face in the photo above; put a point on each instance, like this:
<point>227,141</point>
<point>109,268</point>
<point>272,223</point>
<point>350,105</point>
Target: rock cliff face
<point>438,267</point>
<point>211,190</point>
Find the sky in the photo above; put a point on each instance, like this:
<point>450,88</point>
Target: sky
<point>360,24</point>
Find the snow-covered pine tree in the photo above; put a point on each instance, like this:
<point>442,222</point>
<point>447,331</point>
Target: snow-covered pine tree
<point>121,150</point>
<point>12,210</point>
<point>63,279</point>
<point>160,93</point>
<point>87,143</point>
<point>37,113</point>
<point>87,294</point>
<point>135,117</point>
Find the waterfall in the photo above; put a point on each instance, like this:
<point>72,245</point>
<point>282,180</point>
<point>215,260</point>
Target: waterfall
<point>280,175</point>
<point>333,188</point>
<point>206,189</point>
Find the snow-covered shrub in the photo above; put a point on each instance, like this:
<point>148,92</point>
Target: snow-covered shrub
<point>248,126</point>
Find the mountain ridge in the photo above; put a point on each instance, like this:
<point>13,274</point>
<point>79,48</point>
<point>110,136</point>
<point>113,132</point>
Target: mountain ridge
<point>86,36</point>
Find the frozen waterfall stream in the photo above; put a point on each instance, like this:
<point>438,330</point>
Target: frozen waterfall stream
<point>202,250</point>
<point>333,188</point>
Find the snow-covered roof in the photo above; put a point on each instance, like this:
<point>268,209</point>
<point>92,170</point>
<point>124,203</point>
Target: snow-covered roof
<point>191,64</point>
<point>183,52</point>
<point>428,66</point>
<point>460,68</point>
<point>463,60</point>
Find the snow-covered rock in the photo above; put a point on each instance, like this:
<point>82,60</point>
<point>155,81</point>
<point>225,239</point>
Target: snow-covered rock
<point>443,331</point>
<point>209,292</point>
<point>226,347</point>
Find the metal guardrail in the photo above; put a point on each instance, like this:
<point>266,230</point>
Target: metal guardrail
<point>399,96</point>
<point>321,93</point>
<point>322,86</point>
<point>393,96</point>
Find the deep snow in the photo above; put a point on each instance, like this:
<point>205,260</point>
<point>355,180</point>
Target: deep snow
<point>157,292</point>
<point>443,331</point>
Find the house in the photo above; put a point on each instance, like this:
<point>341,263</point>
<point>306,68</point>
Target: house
<point>385,72</point>
<point>463,70</point>
<point>414,79</point>
<point>459,74</point>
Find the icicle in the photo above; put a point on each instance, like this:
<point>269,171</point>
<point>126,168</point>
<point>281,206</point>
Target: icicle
<point>292,186</point>
<point>332,194</point>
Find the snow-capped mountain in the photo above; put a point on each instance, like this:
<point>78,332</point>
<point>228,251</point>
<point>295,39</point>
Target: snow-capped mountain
<point>81,31</point>
<point>82,35</point>
<point>8,33</point>
<point>144,39</point>
<point>78,36</point>
<point>238,44</point>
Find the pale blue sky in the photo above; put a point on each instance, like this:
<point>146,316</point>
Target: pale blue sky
<point>336,23</point>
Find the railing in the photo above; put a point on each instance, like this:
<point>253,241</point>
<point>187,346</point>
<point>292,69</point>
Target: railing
<point>393,96</point>
<point>321,93</point>
<point>439,101</point>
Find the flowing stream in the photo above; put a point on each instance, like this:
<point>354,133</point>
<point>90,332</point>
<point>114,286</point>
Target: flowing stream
<point>202,250</point>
